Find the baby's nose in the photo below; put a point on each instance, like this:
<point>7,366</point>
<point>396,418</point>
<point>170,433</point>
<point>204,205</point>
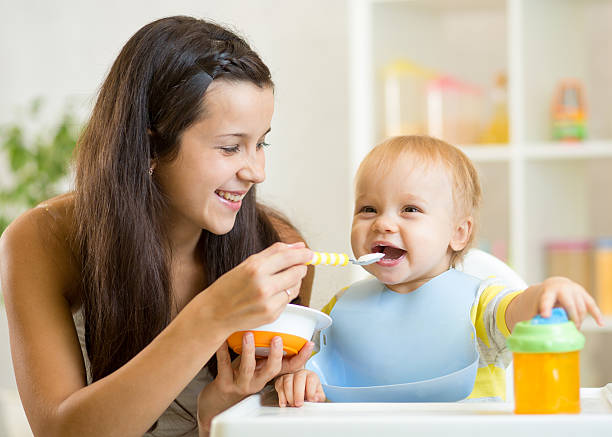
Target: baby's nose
<point>384,224</point>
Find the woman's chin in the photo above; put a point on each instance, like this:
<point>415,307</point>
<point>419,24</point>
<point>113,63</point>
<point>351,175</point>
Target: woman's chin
<point>219,228</point>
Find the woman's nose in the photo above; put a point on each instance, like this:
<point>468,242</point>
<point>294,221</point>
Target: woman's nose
<point>253,169</point>
<point>384,225</point>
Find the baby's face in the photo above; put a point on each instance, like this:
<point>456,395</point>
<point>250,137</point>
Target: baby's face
<point>408,213</point>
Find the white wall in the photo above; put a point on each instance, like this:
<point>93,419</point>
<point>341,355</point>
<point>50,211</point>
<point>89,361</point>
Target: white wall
<point>61,50</point>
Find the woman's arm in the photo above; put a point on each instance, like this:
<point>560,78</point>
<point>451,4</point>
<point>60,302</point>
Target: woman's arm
<point>47,358</point>
<point>46,354</point>
<point>243,377</point>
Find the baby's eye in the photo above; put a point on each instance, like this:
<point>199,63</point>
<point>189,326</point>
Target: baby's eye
<point>263,144</point>
<point>367,210</point>
<point>230,150</point>
<point>410,209</point>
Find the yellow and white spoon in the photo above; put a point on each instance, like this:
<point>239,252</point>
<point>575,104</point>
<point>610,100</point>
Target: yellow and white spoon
<point>342,259</point>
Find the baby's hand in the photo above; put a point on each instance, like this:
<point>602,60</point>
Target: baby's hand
<point>294,388</point>
<point>562,292</point>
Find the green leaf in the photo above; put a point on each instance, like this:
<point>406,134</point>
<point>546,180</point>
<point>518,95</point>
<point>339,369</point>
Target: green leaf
<point>37,165</point>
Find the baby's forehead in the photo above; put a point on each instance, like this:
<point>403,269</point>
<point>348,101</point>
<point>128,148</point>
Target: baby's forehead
<point>398,165</point>
<point>405,177</point>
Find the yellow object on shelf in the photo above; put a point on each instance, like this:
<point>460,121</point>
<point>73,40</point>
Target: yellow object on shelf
<point>497,130</point>
<point>603,275</point>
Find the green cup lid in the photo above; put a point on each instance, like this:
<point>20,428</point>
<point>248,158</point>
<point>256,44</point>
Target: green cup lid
<point>546,334</point>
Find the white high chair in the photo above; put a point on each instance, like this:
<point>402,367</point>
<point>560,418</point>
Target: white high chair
<point>484,265</point>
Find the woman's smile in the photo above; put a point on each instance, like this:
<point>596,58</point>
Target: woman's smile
<point>231,199</point>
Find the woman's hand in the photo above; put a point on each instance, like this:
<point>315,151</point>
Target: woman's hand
<point>294,388</point>
<point>256,291</point>
<point>244,376</point>
<point>555,291</point>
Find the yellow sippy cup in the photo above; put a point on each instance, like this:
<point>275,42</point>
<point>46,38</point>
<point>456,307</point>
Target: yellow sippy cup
<point>546,364</point>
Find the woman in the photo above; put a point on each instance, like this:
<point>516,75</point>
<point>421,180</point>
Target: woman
<point>160,253</point>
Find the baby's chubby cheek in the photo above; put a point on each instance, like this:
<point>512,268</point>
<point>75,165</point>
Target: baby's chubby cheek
<point>357,240</point>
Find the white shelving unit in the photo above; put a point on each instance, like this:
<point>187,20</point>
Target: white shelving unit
<point>535,190</point>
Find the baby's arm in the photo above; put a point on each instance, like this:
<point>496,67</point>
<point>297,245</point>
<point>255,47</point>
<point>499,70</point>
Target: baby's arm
<point>553,292</point>
<point>488,317</point>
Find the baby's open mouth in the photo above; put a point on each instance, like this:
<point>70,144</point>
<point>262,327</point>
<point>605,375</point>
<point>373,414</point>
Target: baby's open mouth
<point>390,252</point>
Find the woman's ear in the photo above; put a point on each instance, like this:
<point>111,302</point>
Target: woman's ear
<point>462,233</point>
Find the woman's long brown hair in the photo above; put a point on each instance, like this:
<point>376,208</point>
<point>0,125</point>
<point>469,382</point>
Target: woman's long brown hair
<point>153,92</point>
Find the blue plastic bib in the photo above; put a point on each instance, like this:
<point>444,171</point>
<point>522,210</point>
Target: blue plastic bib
<point>385,346</point>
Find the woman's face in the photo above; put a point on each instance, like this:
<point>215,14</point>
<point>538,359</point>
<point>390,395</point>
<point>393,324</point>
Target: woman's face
<point>220,157</point>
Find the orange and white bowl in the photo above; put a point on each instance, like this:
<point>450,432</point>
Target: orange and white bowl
<point>296,325</point>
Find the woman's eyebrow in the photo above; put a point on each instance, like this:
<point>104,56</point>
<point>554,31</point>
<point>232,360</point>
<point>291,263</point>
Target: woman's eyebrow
<point>242,135</point>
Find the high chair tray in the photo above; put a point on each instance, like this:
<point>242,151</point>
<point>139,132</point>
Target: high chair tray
<point>257,416</point>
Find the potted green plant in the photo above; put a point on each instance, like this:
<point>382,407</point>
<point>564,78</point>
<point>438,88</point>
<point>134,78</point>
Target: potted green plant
<point>38,160</point>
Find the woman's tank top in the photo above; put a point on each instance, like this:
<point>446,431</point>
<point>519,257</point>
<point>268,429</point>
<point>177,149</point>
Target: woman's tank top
<point>179,419</point>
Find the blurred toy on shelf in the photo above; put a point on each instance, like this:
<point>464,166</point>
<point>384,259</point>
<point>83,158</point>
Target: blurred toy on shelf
<point>405,98</point>
<point>454,110</point>
<point>497,131</point>
<point>498,248</point>
<point>417,100</point>
<point>569,111</point>
<point>572,259</point>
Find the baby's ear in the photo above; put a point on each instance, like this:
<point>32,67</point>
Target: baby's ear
<point>462,233</point>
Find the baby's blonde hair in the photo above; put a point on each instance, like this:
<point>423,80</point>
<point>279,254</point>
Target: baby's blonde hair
<point>428,150</point>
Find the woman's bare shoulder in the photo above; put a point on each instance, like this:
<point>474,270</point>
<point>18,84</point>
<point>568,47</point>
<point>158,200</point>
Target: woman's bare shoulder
<point>42,240</point>
<point>49,224</point>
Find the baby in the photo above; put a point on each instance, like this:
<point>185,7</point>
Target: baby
<point>416,201</point>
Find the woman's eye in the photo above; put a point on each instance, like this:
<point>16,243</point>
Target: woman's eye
<point>230,149</point>
<point>262,144</point>
<point>410,209</point>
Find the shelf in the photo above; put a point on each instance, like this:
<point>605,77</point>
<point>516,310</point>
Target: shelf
<point>539,151</point>
<point>488,152</point>
<point>557,150</point>
<point>449,5</point>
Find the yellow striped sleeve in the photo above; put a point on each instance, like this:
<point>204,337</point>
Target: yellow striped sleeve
<point>485,297</point>
<point>490,383</point>
<point>501,312</point>
<point>330,305</point>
